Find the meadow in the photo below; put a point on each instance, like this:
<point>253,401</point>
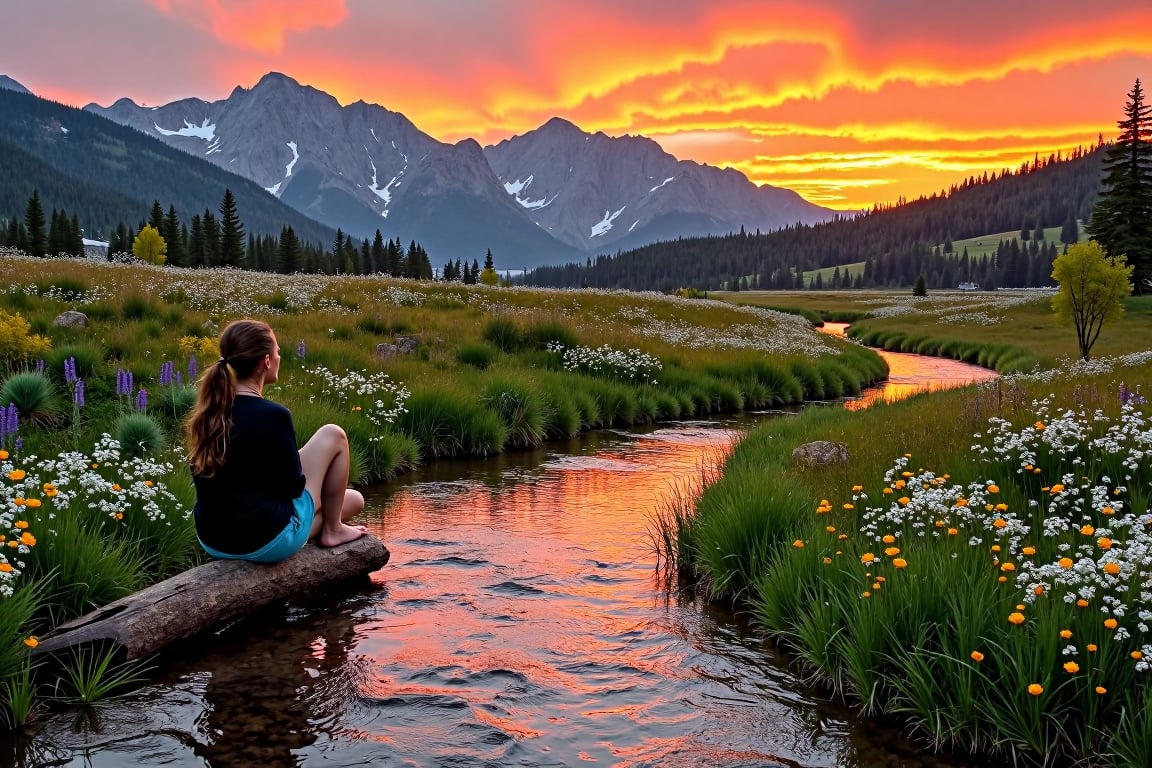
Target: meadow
<point>97,497</point>
<point>980,565</point>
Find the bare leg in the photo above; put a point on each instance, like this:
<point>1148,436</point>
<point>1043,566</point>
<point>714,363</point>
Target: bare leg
<point>325,460</point>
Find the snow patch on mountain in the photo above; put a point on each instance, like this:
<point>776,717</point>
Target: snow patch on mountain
<point>605,223</point>
<point>670,178</point>
<point>275,188</point>
<point>514,188</point>
<point>205,130</point>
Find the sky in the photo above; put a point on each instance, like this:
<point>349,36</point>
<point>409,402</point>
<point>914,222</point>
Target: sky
<point>848,102</point>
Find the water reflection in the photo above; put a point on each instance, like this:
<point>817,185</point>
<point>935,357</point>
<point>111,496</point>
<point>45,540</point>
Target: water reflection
<point>520,622</point>
<point>910,374</point>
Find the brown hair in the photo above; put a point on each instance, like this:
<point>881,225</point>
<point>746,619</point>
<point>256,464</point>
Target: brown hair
<point>243,345</point>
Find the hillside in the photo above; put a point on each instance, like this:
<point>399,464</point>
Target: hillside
<point>896,244</point>
<point>107,174</point>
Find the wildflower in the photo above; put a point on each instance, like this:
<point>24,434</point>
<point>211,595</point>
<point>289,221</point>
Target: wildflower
<point>118,516</point>
<point>889,539</point>
<point>961,502</point>
<point>798,544</point>
<point>21,524</point>
<point>900,563</point>
<point>899,484</point>
<point>995,547</point>
<point>857,488</point>
<point>1008,567</point>
<point>993,488</point>
<point>78,393</point>
<point>999,523</point>
<point>1038,589</point>
<point>1065,633</point>
<point>3,455</point>
<point>27,539</point>
<point>867,558</point>
<point>866,594</point>
<point>301,350</point>
<point>1035,689</point>
<point>1029,551</point>
<point>830,528</point>
<point>1110,623</point>
<point>1057,488</point>
<point>887,491</point>
<point>1001,507</point>
<point>952,531</point>
<point>892,551</point>
<point>31,641</point>
<point>849,506</point>
<point>1039,426</point>
<point>1107,511</point>
<point>148,483</point>
<point>18,501</point>
<point>903,500</point>
<point>1091,647</point>
<point>1101,690</point>
<point>1087,530</point>
<point>827,561</point>
<point>142,399</point>
<point>1104,542</point>
<point>1065,563</point>
<point>1016,618</point>
<point>17,475</point>
<point>843,537</point>
<point>1002,579</point>
<point>5,568</point>
<point>1071,667</point>
<point>876,585</point>
<point>1137,655</point>
<point>1111,568</point>
<point>1081,603</point>
<point>977,656</point>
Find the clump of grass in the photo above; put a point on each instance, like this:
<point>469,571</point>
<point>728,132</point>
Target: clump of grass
<point>34,397</point>
<point>479,356</point>
<point>504,334</point>
<point>277,301</point>
<point>524,412</point>
<point>541,335</point>
<point>139,434</point>
<point>63,288</point>
<point>137,307</point>
<point>96,674</point>
<point>445,423</point>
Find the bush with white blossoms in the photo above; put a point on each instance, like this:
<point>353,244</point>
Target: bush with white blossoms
<point>630,365</point>
<point>374,395</point>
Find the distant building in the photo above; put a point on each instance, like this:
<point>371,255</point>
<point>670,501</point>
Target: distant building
<point>969,286</point>
<point>95,249</point>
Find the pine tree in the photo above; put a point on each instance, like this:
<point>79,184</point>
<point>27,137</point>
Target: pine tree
<point>1122,219</point>
<point>76,237</point>
<point>920,289</point>
<point>231,233</point>
<point>156,216</point>
<point>36,226</point>
<point>170,231</point>
<point>1070,231</point>
<point>379,258</point>
<point>288,254</point>
<point>57,233</point>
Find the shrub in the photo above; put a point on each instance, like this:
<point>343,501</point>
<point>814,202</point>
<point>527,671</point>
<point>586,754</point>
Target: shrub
<point>16,341</point>
<point>138,307</point>
<point>63,288</point>
<point>277,302</point>
<point>541,335</point>
<point>32,394</point>
<point>521,409</point>
<point>89,359</point>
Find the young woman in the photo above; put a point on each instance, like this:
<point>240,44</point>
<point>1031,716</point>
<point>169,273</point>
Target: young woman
<point>258,498</point>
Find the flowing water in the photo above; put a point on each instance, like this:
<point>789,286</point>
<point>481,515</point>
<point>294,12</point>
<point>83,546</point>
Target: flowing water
<point>521,622</point>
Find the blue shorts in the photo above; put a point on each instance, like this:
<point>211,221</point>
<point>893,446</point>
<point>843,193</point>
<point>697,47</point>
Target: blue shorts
<point>287,543</point>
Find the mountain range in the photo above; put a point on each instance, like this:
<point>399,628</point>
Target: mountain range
<point>552,195</point>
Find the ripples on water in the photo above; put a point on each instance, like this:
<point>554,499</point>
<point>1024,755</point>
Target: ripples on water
<point>520,622</point>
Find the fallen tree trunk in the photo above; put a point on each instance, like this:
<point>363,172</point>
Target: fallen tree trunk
<point>209,596</point>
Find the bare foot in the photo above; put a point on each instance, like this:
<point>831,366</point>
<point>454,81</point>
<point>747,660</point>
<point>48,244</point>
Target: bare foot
<point>346,534</point>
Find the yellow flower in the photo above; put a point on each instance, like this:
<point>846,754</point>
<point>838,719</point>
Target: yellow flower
<point>1001,579</point>
<point>1137,655</point>
<point>892,551</point>
<point>1001,507</point>
<point>856,488</point>
<point>887,491</point>
<point>1016,618</point>
<point>999,523</point>
<point>21,524</point>
<point>866,594</point>
<point>939,523</point>
<point>849,506</point>
<point>875,585</point>
<point>1110,623</point>
<point>27,539</point>
<point>31,641</point>
<point>1029,551</point>
<point>148,483</point>
<point>889,539</point>
<point>1039,426</point>
<point>1087,530</point>
<point>3,455</point>
<point>13,544</point>
<point>1065,563</point>
<point>1071,667</point>
<point>1065,633</point>
<point>1007,567</point>
<point>867,558</point>
<point>1091,647</point>
<point>16,474</point>
<point>1104,542</point>
<point>977,656</point>
<point>903,500</point>
<point>1082,603</point>
<point>830,529</point>
<point>952,531</point>
<point>899,484</point>
<point>995,547</point>
<point>33,503</point>
<point>906,474</point>
<point>1035,689</point>
<point>1057,488</point>
<point>900,563</point>
<point>798,544</point>
<point>993,489</point>
<point>1101,690</point>
<point>842,537</point>
<point>827,561</point>
<point>1111,568</point>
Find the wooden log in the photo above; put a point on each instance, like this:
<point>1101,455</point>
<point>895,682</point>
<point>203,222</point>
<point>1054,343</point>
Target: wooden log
<point>208,596</point>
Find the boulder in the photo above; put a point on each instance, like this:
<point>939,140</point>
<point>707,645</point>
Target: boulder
<point>386,351</point>
<point>71,319</point>
<point>820,453</point>
<point>207,597</point>
<point>407,345</point>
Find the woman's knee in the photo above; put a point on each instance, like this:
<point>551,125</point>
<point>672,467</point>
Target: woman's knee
<point>334,434</point>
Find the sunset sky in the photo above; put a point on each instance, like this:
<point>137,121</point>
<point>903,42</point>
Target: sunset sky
<point>848,102</point>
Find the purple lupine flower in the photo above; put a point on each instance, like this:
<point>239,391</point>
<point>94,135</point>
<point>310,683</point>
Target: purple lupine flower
<point>18,445</point>
<point>301,350</point>
<point>70,370</point>
<point>166,371</point>
<point>40,366</point>
<point>1124,393</point>
<point>13,419</point>
<point>142,399</point>
<point>3,427</point>
<point>180,379</point>
<point>119,381</point>
<point>192,368</point>
<point>78,393</point>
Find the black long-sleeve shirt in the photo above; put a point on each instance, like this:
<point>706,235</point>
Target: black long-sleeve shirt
<point>248,501</point>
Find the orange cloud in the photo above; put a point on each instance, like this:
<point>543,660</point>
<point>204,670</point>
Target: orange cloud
<point>261,25</point>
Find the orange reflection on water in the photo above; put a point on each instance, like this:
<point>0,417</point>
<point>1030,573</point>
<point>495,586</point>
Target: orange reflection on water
<point>910,374</point>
